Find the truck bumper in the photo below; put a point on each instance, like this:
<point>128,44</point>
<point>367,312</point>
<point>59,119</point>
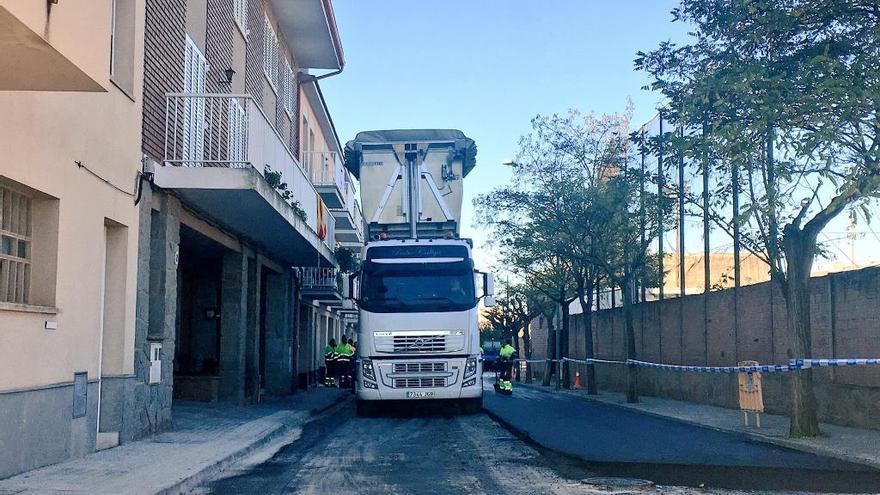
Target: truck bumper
<point>385,389</point>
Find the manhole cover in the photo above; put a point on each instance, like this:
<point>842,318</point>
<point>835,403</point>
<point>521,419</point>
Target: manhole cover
<point>610,481</point>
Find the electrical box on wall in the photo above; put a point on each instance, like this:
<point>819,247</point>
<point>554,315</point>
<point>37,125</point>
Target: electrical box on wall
<point>155,362</point>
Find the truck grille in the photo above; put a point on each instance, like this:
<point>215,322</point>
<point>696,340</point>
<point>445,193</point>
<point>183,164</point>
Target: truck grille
<point>418,367</point>
<point>420,343</point>
<point>419,382</point>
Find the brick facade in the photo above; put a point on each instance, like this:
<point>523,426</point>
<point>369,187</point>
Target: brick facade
<point>164,65</point>
<point>165,31</point>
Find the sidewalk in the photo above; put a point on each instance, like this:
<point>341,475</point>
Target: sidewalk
<point>204,440</point>
<point>848,444</point>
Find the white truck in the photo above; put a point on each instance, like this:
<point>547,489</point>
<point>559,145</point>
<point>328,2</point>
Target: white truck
<point>417,291</point>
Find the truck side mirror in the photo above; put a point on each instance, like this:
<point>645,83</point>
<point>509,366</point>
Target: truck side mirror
<point>352,287</point>
<point>489,302</point>
<point>489,285</point>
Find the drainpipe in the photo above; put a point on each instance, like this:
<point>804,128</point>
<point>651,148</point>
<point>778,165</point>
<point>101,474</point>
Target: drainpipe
<point>306,78</point>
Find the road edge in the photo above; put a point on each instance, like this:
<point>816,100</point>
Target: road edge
<point>197,478</point>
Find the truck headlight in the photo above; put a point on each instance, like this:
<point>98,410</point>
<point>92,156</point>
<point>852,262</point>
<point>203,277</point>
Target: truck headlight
<point>470,368</point>
<point>367,369</point>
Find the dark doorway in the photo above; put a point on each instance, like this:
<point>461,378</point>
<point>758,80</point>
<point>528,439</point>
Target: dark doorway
<point>197,351</point>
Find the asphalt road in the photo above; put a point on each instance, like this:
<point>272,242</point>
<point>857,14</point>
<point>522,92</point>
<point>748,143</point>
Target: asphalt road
<point>419,452</point>
<point>621,442</point>
<point>429,450</point>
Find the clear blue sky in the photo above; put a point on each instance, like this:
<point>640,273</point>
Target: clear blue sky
<point>488,67</point>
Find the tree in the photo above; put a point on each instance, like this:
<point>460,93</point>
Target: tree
<point>785,99</point>
<point>628,222</point>
<point>512,314</point>
<point>582,150</point>
<point>348,261</point>
<point>523,218</point>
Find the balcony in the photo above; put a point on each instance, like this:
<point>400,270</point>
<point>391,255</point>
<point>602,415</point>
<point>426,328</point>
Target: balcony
<point>224,158</point>
<point>328,176</point>
<point>322,284</point>
<point>31,62</point>
<point>350,222</point>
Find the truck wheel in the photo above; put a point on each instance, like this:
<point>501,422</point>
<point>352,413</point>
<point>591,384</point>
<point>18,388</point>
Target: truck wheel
<point>366,408</point>
<point>472,406</point>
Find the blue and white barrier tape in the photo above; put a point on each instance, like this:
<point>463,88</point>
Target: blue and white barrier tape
<point>763,368</point>
<point>593,361</point>
<point>833,363</point>
<point>794,365</point>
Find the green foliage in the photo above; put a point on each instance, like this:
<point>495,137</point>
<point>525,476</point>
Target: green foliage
<point>298,211</point>
<point>348,261</point>
<point>781,101</point>
<point>785,95</point>
<point>274,179</point>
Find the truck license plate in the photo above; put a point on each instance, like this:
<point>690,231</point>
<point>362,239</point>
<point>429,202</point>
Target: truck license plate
<point>420,395</point>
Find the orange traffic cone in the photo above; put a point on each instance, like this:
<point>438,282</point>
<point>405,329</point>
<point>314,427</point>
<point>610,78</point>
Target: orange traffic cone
<point>577,379</point>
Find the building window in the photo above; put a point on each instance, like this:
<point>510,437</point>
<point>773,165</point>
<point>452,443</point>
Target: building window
<point>240,11</point>
<point>270,53</point>
<point>15,246</point>
<point>122,44</point>
<point>195,68</point>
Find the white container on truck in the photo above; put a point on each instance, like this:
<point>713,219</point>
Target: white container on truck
<point>417,291</point>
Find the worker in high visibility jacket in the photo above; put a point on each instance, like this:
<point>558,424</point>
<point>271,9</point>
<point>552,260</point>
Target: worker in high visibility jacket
<point>507,351</point>
<point>344,354</point>
<point>330,364</point>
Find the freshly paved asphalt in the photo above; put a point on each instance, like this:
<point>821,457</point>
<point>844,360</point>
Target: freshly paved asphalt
<point>568,439</point>
<point>601,432</point>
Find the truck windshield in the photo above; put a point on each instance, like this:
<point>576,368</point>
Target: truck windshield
<point>417,287</point>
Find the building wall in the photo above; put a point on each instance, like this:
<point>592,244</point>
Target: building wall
<point>724,327</point>
<point>45,137</point>
<point>212,27</point>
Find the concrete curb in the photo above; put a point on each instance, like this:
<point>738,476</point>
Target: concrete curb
<point>751,436</point>
<point>192,481</point>
<point>319,410</point>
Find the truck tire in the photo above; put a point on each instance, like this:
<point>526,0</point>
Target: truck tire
<point>366,408</point>
<point>472,406</point>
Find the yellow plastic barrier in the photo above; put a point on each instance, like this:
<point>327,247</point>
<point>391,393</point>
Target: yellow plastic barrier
<point>751,398</point>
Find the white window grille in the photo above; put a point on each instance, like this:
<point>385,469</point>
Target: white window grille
<point>15,246</point>
<point>237,134</point>
<point>240,10</point>
<point>289,88</point>
<point>270,53</point>
<point>194,71</point>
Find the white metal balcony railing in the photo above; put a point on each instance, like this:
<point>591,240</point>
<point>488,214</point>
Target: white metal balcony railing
<point>326,168</point>
<point>231,131</point>
<point>314,277</point>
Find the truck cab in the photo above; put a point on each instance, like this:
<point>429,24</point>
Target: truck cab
<point>418,307</point>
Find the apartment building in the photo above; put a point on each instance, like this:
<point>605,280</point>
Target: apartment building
<point>70,130</point>
<point>233,293</point>
<point>323,306</point>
